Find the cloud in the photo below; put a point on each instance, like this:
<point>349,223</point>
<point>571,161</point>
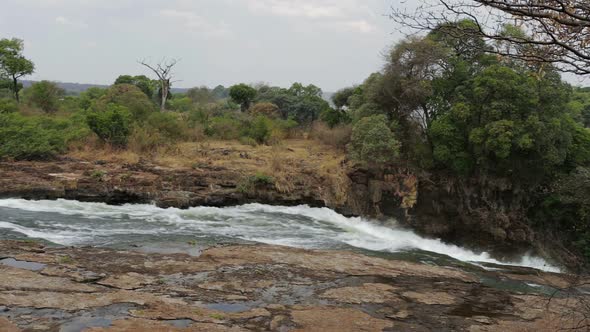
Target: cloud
<point>61,20</point>
<point>347,15</point>
<point>196,22</point>
<point>308,9</point>
<point>360,26</point>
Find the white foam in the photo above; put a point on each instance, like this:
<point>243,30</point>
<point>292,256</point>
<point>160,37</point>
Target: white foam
<point>300,226</point>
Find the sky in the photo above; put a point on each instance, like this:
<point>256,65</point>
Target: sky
<point>329,43</point>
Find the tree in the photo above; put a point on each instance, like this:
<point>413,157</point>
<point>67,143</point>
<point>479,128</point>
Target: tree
<point>128,96</point>
<point>13,64</point>
<point>220,92</point>
<point>142,82</point>
<point>242,94</point>
<point>201,95</point>
<point>340,98</point>
<point>373,143</point>
<point>46,95</point>
<point>558,31</point>
<point>163,71</point>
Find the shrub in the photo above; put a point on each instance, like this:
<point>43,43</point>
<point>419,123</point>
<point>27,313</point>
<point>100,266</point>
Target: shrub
<point>225,127</point>
<point>254,182</point>
<point>112,126</point>
<point>334,117</point>
<point>145,140</point>
<point>337,137</point>
<point>260,129</point>
<point>267,109</point>
<point>24,138</point>
<point>168,124</point>
<point>129,96</point>
<point>372,142</point>
<point>8,105</point>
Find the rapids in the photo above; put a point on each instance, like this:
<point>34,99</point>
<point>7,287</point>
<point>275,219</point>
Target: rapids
<point>72,223</point>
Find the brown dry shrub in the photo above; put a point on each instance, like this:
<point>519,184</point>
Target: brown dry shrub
<point>337,137</point>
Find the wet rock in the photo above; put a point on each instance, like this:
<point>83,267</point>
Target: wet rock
<point>19,279</point>
<point>141,325</point>
<point>367,293</point>
<point>8,326</point>
<point>128,281</point>
<point>260,287</point>
<point>430,297</point>
<point>277,322</point>
<point>329,319</point>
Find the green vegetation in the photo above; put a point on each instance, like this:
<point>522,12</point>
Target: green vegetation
<point>45,95</point>
<point>111,125</point>
<point>13,65</point>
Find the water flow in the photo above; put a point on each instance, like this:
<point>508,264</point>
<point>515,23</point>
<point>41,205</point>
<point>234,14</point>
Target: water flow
<point>76,223</point>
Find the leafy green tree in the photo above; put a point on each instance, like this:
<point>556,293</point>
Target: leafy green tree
<point>341,97</point>
<point>46,95</point>
<point>242,94</point>
<point>333,117</point>
<point>220,92</point>
<point>373,143</point>
<point>128,96</point>
<point>13,63</point>
<point>201,95</point>
<point>184,104</point>
<point>581,105</point>
<point>142,82</point>
<point>112,126</point>
<point>90,96</point>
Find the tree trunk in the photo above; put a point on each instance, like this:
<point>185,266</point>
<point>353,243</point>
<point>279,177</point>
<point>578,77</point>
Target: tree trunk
<point>165,88</point>
<point>15,89</point>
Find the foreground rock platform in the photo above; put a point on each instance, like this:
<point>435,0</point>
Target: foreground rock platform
<point>266,288</point>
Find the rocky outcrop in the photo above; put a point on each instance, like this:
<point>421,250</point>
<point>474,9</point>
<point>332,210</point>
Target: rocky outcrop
<point>266,288</point>
<point>144,182</point>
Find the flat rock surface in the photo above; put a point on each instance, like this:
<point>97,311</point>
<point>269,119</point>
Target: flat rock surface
<point>265,288</point>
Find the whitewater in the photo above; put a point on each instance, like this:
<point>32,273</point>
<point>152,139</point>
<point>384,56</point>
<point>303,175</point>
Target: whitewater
<point>73,223</point>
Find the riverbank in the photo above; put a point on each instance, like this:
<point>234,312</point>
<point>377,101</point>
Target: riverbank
<point>227,173</point>
<point>260,287</point>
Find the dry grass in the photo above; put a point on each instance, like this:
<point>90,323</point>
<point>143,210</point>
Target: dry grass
<point>287,162</point>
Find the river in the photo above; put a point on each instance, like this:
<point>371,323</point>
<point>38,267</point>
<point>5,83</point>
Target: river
<point>72,223</point>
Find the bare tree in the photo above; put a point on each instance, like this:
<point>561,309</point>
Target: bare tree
<point>164,72</point>
<point>557,32</point>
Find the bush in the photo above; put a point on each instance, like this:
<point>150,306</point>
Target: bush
<point>112,126</point>
<point>334,117</point>
<point>260,129</point>
<point>129,96</point>
<point>168,124</point>
<point>145,140</point>
<point>372,142</point>
<point>8,105</point>
<point>267,109</point>
<point>225,127</point>
<point>24,138</point>
<point>254,182</point>
<point>337,137</point>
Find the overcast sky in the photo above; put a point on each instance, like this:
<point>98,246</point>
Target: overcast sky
<point>330,43</point>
